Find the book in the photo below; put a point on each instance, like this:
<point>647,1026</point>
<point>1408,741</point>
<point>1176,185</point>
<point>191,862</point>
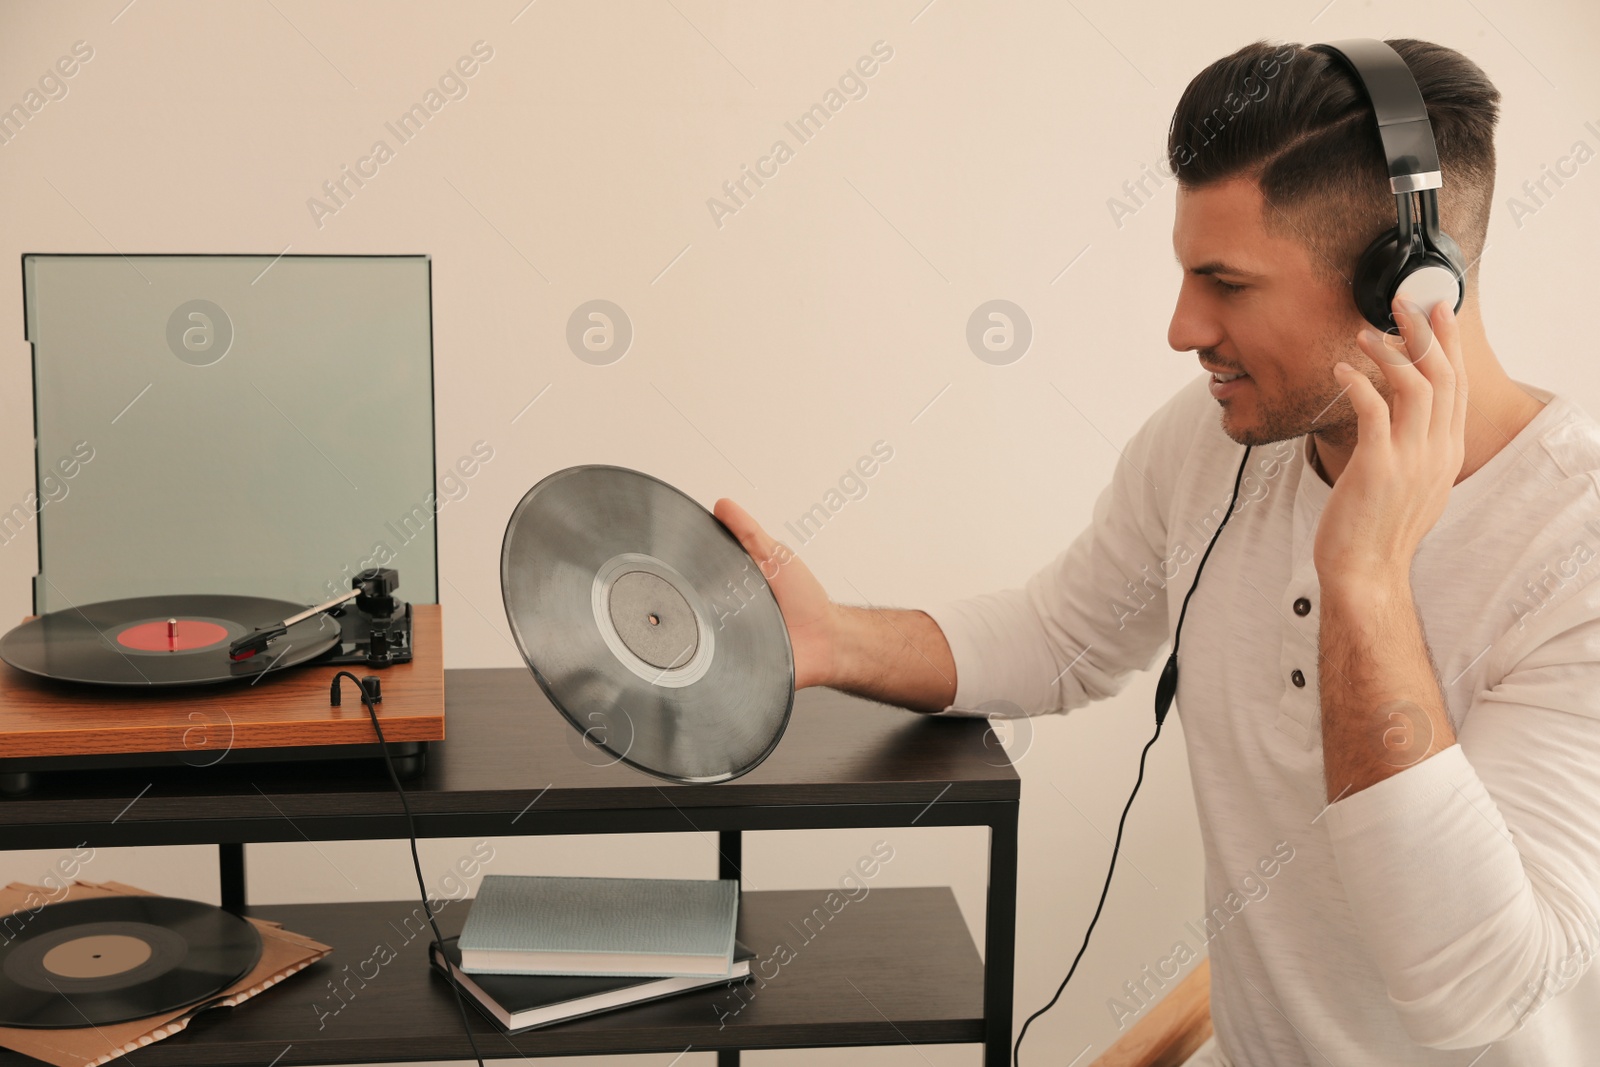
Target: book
<point>521,1002</point>
<point>619,927</point>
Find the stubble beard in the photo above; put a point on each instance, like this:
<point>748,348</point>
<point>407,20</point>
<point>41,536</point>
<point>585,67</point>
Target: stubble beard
<point>1315,403</point>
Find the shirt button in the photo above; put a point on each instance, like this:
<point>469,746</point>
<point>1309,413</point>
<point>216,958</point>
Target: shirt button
<point>1302,606</point>
<point>1298,679</point>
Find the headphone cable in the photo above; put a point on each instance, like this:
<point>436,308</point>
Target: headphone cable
<point>1166,688</point>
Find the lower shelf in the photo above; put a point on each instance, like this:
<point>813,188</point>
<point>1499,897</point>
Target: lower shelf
<point>895,966</point>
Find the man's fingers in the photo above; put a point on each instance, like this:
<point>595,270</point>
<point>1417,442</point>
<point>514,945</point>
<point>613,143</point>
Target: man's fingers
<point>770,554</point>
<point>1372,414</point>
<point>746,529</point>
<point>1434,357</point>
<point>1449,333</point>
<point>1410,372</point>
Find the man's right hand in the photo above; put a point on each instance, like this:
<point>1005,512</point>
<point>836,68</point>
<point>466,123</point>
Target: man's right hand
<point>891,655</point>
<point>807,612</point>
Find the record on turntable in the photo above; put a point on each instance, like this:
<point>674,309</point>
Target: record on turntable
<point>164,640</point>
<point>105,960</point>
<point>647,624</point>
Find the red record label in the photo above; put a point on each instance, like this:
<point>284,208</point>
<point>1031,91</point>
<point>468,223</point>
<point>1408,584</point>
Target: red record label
<point>181,635</point>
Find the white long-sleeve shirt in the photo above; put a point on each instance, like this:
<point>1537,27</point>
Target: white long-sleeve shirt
<point>1454,905</point>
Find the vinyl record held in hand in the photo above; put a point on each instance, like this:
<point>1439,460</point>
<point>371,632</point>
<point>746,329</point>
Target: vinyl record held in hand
<point>106,960</point>
<point>163,640</point>
<point>647,624</point>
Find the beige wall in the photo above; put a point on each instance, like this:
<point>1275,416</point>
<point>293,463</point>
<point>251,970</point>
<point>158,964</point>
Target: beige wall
<point>772,349</point>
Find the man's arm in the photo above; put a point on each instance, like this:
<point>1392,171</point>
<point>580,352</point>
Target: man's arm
<point>1075,631</point>
<point>896,656</point>
<point>1472,872</point>
<point>1382,710</point>
<point>1471,869</point>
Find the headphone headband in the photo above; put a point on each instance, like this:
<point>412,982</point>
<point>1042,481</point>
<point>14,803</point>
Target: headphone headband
<point>1402,116</point>
<point>1415,260</point>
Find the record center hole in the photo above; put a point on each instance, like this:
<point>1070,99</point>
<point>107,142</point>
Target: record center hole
<point>655,620</point>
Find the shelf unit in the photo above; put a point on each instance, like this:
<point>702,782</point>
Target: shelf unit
<point>897,966</point>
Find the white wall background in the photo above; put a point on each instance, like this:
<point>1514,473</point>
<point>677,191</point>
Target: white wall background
<point>772,350</point>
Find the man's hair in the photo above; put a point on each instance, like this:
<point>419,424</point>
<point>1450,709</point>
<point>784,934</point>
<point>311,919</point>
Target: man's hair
<point>1298,124</point>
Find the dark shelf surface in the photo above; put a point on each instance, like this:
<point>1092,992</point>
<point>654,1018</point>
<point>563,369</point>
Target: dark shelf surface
<point>895,966</point>
<point>511,764</point>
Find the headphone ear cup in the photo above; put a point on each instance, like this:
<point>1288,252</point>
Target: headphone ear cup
<point>1377,272</point>
<point>1449,254</point>
<point>1431,279</point>
<point>1447,248</point>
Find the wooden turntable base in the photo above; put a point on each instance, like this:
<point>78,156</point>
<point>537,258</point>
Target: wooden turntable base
<point>43,720</point>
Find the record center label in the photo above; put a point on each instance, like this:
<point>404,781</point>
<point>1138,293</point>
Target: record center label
<point>642,608</point>
<point>96,956</point>
<point>653,619</point>
<point>185,635</point>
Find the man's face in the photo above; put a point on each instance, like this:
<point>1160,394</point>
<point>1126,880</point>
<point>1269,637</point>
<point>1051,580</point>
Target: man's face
<point>1285,328</point>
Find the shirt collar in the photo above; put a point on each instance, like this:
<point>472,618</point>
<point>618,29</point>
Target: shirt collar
<point>1464,495</point>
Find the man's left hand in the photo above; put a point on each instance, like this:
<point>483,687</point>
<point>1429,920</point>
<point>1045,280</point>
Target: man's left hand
<point>1398,479</point>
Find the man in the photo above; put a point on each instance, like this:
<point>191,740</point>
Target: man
<point>1391,672</point>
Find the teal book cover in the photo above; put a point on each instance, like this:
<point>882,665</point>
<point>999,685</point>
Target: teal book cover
<point>549,924</point>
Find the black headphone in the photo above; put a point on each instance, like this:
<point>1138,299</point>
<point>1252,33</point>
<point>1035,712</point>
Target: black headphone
<point>1415,260</point>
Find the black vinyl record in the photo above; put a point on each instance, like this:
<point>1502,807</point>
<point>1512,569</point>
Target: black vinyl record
<point>108,960</point>
<point>647,624</point>
<point>163,640</point>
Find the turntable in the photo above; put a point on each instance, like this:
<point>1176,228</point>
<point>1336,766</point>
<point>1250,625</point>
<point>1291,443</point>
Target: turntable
<point>221,443</point>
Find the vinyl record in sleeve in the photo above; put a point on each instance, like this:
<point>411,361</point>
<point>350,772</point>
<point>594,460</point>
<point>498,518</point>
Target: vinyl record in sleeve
<point>105,960</point>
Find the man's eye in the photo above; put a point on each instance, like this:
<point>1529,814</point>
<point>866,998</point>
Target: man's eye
<point>1227,287</point>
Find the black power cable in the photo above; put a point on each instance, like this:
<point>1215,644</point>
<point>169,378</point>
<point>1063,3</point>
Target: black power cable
<point>1166,688</point>
<point>411,827</point>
